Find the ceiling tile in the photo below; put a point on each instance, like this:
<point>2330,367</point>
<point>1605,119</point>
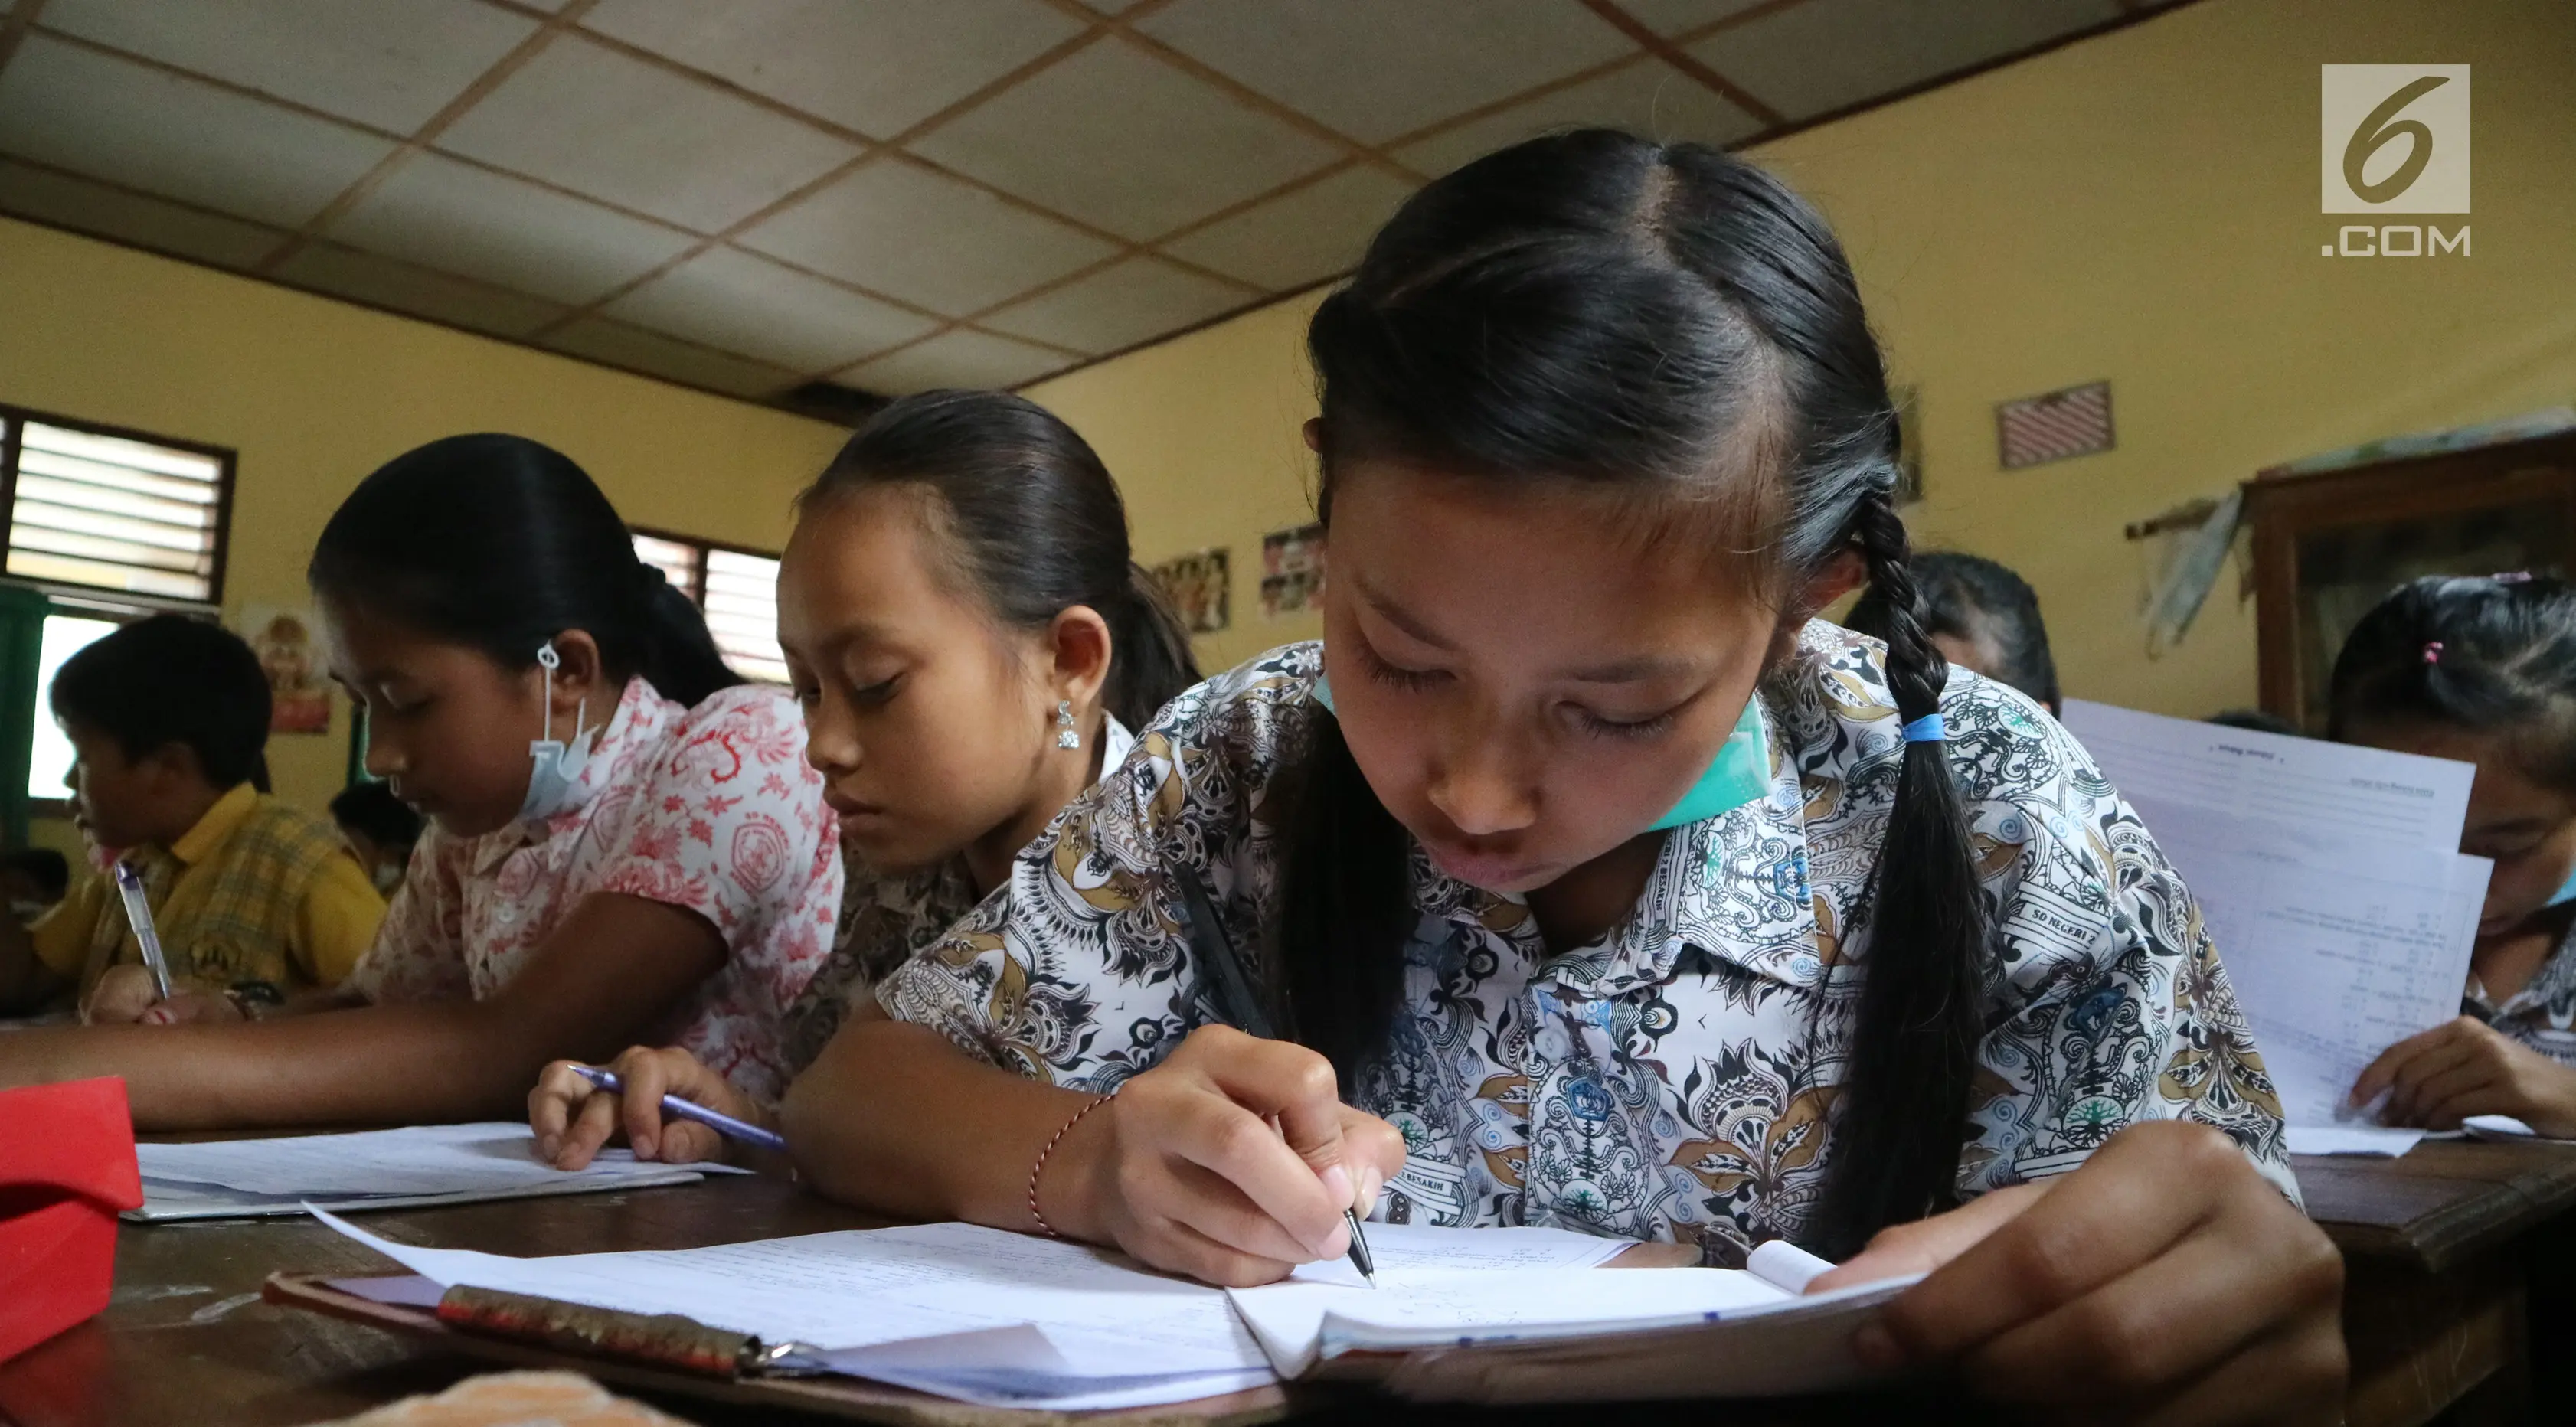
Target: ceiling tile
<point>1645,96</point>
<point>87,207</point>
<point>461,219</point>
<point>145,129</point>
<point>878,66</point>
<point>618,345</point>
<point>1388,67</point>
<point>898,228</point>
<point>1120,306</point>
<point>1123,141</point>
<point>730,299</point>
<point>1673,17</point>
<point>958,358</point>
<point>406,287</point>
<point>1299,237</point>
<point>587,118</point>
<point>1826,54</point>
<point>390,63</point>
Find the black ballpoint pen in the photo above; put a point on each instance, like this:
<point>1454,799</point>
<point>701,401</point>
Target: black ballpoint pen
<point>1244,1007</point>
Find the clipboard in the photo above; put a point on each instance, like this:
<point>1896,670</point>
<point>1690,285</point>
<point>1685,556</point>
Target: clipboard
<point>849,1399</point>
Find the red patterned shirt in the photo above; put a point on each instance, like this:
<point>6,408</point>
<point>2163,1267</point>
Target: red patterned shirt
<point>712,809</point>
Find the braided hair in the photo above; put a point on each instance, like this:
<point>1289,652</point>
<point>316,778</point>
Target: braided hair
<point>2490,655</point>
<point>1670,322</point>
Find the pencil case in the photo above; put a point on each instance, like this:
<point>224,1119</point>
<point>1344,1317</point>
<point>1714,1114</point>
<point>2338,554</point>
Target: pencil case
<point>66,1171</point>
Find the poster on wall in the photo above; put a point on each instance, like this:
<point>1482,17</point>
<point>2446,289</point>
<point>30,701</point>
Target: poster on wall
<point>1196,585</point>
<point>290,654</point>
<point>1292,571</point>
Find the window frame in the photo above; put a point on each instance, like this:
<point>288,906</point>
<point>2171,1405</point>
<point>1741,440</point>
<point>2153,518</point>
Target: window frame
<point>226,458</point>
<point>699,546</point>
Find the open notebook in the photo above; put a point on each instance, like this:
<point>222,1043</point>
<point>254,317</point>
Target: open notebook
<point>1002,1319</point>
<point>375,1169</point>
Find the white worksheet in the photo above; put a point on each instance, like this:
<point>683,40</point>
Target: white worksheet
<point>498,1158</point>
<point>2331,882</point>
<point>2366,791</point>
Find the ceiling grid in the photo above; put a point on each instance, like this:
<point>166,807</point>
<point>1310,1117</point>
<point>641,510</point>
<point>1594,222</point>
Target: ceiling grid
<point>825,202</point>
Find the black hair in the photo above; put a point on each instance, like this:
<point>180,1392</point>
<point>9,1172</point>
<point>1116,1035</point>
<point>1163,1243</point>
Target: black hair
<point>2255,721</point>
<point>1032,526</point>
<point>501,543</point>
<point>372,809</point>
<point>1971,597</point>
<point>51,870</point>
<point>171,679</point>
<point>1676,329</point>
<point>2488,654</point>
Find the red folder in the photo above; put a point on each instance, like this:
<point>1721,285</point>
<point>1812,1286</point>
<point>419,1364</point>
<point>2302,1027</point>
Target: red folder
<point>66,1168</point>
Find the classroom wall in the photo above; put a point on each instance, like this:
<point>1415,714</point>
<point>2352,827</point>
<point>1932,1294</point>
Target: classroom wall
<point>314,393</point>
<point>2141,207</point>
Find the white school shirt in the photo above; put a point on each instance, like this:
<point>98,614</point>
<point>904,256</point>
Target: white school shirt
<point>1678,1077</point>
<point>713,809</point>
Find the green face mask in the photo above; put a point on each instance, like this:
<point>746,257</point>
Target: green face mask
<point>1739,774</point>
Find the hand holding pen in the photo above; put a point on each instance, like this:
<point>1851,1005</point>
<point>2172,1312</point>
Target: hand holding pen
<point>670,1105</point>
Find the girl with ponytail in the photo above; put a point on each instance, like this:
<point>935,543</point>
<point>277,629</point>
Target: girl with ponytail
<point>2484,671</point>
<point>1602,887</point>
<point>973,646</point>
<point>624,839</point>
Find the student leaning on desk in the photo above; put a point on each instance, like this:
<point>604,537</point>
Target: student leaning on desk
<point>1610,890</point>
<point>972,645</point>
<point>625,839</point>
<point>255,899</point>
<point>2484,671</point>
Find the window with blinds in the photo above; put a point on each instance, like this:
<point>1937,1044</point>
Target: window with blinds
<point>737,590</point>
<point>103,510</point>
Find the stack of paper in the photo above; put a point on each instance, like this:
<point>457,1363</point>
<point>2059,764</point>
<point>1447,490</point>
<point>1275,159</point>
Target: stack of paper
<point>2331,880</point>
<point>376,1169</point>
<point>1006,1320</point>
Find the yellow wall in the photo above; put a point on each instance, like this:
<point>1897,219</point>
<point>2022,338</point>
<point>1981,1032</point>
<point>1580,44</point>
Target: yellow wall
<point>2141,206</point>
<point>313,394</point>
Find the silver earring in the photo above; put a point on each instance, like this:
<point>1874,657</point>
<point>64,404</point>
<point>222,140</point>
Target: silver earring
<point>1065,737</point>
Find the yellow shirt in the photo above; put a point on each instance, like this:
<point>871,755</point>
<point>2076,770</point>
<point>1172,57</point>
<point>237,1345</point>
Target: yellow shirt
<point>333,922</point>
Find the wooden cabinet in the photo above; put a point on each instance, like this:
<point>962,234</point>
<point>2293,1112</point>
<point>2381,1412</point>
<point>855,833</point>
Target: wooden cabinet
<point>2329,544</point>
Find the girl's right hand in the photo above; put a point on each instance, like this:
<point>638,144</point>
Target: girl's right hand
<point>572,1120</point>
<point>1230,1162</point>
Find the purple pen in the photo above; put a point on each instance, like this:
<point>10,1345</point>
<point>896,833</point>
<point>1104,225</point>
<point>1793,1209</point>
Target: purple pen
<point>677,1108</point>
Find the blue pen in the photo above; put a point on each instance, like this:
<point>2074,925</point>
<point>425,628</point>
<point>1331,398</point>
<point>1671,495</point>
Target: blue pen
<point>677,1108</point>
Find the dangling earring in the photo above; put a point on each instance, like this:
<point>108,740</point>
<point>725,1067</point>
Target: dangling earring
<point>1065,737</point>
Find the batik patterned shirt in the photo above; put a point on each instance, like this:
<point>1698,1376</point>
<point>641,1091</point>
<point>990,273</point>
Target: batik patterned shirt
<point>1677,1077</point>
<point>2542,1015</point>
<point>711,809</point>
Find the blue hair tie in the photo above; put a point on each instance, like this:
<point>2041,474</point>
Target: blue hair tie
<point>1927,729</point>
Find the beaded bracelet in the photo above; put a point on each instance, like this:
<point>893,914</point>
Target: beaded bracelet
<point>1040,1167</point>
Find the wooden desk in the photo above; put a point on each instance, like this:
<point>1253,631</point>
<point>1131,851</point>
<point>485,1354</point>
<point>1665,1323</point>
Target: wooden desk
<point>187,1339</point>
<point>2441,1289</point>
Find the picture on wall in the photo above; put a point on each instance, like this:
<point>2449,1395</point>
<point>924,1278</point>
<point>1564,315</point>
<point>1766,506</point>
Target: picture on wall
<point>299,696</point>
<point>1196,585</point>
<point>1292,571</point>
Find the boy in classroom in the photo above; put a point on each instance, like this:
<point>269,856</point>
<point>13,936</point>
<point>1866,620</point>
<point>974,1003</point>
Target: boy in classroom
<point>255,900</point>
<point>973,646</point>
<point>1980,615</point>
<point>379,829</point>
<point>2483,670</point>
<point>625,840</point>
<point>1600,885</point>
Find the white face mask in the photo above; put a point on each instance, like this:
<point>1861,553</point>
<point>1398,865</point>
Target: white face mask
<point>554,775</point>
<point>388,876</point>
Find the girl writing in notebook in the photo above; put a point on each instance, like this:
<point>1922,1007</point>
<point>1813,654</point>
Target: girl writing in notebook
<point>1603,887</point>
<point>972,646</point>
<point>2484,671</point>
<point>624,840</point>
